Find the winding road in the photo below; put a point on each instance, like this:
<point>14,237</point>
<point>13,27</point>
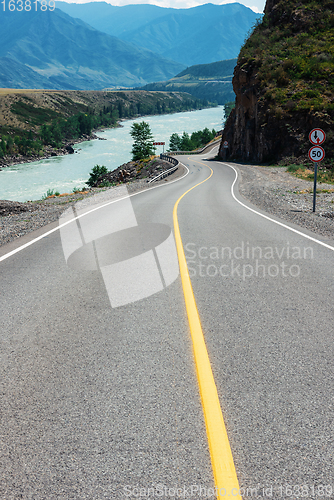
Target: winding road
<point>100,390</point>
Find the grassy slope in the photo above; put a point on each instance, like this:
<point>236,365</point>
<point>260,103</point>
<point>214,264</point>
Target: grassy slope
<point>217,70</point>
<point>292,52</point>
<point>207,81</point>
<point>29,109</point>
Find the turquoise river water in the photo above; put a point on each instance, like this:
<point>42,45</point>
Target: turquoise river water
<point>30,181</point>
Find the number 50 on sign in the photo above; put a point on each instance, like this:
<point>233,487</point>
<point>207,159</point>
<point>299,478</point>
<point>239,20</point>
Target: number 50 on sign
<point>317,153</point>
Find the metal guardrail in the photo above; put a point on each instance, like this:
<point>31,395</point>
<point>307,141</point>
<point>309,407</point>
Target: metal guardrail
<point>167,157</point>
<point>165,173</point>
<point>164,156</point>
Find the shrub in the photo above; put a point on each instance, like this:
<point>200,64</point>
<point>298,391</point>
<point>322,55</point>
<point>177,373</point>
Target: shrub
<point>95,174</point>
<point>293,168</point>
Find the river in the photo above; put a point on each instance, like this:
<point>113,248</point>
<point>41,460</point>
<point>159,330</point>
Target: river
<point>30,181</point>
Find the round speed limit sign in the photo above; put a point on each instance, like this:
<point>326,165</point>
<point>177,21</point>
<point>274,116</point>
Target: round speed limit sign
<point>317,153</point>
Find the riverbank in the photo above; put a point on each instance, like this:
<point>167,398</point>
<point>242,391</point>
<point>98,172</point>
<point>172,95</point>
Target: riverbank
<point>49,152</point>
<point>272,189</point>
<point>64,173</point>
<point>23,113</point>
<point>131,171</point>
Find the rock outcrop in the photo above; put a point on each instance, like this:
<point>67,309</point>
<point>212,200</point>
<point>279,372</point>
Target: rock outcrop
<point>134,170</point>
<point>282,83</point>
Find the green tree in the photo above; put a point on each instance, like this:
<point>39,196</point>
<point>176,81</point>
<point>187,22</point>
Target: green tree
<point>186,144</point>
<point>206,135</point>
<point>2,147</point>
<point>143,141</point>
<point>85,124</point>
<point>57,134</point>
<point>95,174</point>
<point>175,142</point>
<point>196,139</point>
<point>45,134</point>
<point>10,143</point>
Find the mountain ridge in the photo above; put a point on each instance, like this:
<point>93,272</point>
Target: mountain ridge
<point>72,54</point>
<point>197,35</point>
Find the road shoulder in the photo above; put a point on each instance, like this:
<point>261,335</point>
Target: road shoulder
<point>278,193</point>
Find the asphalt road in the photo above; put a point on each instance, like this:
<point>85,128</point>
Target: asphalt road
<point>99,397</point>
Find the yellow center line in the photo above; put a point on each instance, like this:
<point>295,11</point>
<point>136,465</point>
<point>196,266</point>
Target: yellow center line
<point>224,472</point>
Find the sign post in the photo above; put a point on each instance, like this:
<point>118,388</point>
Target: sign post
<point>225,150</point>
<point>160,144</point>
<point>316,154</point>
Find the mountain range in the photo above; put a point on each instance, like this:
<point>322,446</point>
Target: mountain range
<point>120,46</point>
<point>72,54</point>
<point>198,35</point>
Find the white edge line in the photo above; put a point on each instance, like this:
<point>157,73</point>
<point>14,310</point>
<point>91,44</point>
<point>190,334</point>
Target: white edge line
<point>19,249</point>
<point>273,220</point>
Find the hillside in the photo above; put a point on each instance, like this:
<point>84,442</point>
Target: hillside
<point>14,74</point>
<point>67,53</point>
<point>284,83</point>
<point>212,82</point>
<point>38,123</point>
<point>198,35</point>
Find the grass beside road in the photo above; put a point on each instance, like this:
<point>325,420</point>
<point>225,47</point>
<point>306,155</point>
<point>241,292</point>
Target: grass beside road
<point>306,172</point>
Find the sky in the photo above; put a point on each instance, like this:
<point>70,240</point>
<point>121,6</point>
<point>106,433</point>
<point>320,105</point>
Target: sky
<point>255,5</point>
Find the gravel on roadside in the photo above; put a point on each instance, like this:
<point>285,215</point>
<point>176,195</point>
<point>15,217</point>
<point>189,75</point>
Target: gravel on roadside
<point>280,193</point>
<point>272,189</point>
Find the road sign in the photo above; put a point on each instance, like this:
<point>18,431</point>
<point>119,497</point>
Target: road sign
<point>225,144</point>
<point>317,136</point>
<point>317,153</point>
<point>159,143</point>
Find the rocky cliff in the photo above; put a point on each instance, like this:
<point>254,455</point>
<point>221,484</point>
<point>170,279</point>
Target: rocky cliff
<point>284,84</point>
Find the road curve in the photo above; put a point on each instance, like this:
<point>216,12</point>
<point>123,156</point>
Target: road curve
<point>99,395</point>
